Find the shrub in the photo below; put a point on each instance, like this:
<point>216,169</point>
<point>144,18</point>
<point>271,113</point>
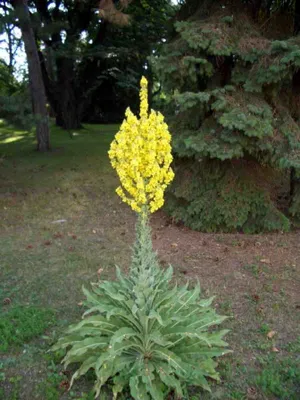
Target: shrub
<point>218,196</point>
<point>15,103</point>
<point>16,110</point>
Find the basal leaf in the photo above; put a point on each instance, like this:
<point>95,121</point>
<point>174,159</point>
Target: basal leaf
<point>119,383</point>
<point>191,298</point>
<point>169,356</point>
<point>121,335</point>
<point>206,302</point>
<point>155,388</point>
<point>155,315</point>
<point>199,380</point>
<point>67,341</point>
<point>88,344</point>
<point>111,291</point>
<point>85,366</point>
<point>91,321</point>
<point>91,297</point>
<point>170,381</point>
<point>138,389</point>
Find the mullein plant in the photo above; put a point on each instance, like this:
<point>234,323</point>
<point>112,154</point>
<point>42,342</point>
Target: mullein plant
<point>140,332</point>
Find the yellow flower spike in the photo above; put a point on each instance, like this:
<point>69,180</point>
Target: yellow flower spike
<point>144,98</point>
<point>141,156</point>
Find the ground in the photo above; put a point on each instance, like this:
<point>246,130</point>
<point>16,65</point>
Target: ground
<point>61,222</point>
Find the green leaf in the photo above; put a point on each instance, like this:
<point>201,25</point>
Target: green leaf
<point>104,357</point>
<point>121,335</point>
<point>164,298</point>
<point>67,341</point>
<point>169,356</point>
<point>191,298</point>
<point>93,321</point>
<point>86,365</point>
<point>138,389</point>
<point>170,381</point>
<point>156,389</point>
<point>88,344</point>
<point>134,309</point>
<point>123,364</point>
<point>206,302</point>
<point>119,383</point>
<point>199,380</point>
<point>215,339</point>
<point>158,338</point>
<point>111,291</point>
<point>155,315</point>
<point>124,282</point>
<point>92,298</point>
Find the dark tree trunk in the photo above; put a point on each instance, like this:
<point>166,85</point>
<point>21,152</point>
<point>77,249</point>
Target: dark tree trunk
<point>67,115</point>
<point>68,99</point>
<point>62,87</point>
<point>49,86</point>
<point>10,49</point>
<point>8,29</point>
<point>297,18</point>
<point>68,95</point>
<point>256,7</point>
<point>296,94</point>
<point>35,75</point>
<point>294,182</point>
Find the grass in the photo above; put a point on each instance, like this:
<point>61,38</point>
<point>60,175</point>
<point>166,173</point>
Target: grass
<point>61,222</point>
<point>20,324</point>
<point>44,263</point>
<point>50,260</point>
<point>279,378</point>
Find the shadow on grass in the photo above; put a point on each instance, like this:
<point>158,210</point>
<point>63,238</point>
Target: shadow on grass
<point>23,166</point>
<point>17,142</point>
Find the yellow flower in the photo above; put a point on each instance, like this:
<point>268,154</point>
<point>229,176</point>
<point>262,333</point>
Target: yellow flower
<point>141,156</point>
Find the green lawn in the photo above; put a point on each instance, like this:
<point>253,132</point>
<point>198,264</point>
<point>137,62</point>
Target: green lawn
<point>61,222</point>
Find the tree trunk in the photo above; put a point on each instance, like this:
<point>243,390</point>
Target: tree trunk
<point>68,114</point>
<point>297,17</point>
<point>10,48</point>
<point>294,182</point>
<point>35,75</point>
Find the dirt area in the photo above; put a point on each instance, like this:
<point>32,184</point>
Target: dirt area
<point>259,274</point>
<point>221,258</point>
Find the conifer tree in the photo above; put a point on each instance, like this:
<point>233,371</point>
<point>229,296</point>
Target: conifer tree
<point>231,69</point>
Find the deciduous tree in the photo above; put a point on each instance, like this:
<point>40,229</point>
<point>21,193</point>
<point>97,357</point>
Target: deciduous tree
<point>35,74</point>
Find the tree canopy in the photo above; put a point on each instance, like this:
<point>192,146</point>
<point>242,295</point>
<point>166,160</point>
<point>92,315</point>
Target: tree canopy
<point>91,67</point>
<point>91,64</point>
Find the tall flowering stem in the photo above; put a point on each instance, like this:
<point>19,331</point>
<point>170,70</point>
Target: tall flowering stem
<point>140,333</point>
<point>141,156</point>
